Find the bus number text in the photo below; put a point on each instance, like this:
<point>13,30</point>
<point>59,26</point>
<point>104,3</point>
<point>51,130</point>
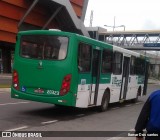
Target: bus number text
<point>52,92</point>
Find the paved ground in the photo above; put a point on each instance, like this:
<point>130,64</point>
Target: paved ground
<point>32,116</point>
<point>154,81</point>
<point>5,79</point>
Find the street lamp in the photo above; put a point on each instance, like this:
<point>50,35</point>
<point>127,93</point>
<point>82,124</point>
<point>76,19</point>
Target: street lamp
<point>122,26</point>
<point>116,27</point>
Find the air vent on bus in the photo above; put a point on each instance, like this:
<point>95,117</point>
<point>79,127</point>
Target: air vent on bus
<point>54,30</point>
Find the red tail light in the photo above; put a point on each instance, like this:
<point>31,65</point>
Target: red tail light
<point>65,84</point>
<point>15,80</point>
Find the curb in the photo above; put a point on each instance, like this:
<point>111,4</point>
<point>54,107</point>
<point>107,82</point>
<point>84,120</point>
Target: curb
<point>5,85</point>
<point>5,76</point>
<point>5,89</point>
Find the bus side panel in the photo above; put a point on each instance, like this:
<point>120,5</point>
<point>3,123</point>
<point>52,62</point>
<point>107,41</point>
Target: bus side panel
<point>83,81</point>
<point>116,81</point>
<point>83,95</point>
<point>102,88</point>
<point>132,87</point>
<point>74,69</point>
<point>105,83</point>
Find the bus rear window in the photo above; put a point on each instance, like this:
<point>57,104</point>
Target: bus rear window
<point>44,47</point>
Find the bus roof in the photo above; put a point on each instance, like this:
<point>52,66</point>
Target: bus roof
<point>120,49</point>
<point>115,48</point>
<point>45,32</point>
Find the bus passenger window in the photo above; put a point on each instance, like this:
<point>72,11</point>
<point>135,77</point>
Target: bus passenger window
<point>132,65</point>
<point>139,66</point>
<point>84,57</point>
<point>107,61</point>
<point>117,63</point>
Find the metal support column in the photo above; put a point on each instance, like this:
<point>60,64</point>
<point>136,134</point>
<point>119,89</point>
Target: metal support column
<point>52,17</point>
<point>27,12</point>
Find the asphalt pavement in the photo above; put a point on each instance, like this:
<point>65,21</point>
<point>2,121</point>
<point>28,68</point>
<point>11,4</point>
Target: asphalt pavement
<point>22,115</point>
<point>5,80</point>
<point>16,113</point>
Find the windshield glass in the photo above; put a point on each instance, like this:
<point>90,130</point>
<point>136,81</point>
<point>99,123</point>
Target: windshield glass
<point>44,47</point>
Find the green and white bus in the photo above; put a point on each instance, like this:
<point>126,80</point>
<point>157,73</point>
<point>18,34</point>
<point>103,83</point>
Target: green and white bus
<point>68,69</point>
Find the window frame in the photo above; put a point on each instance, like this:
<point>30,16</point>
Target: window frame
<point>91,51</point>
<point>140,70</point>
<point>132,67</point>
<point>111,67</point>
<point>42,58</point>
<point>115,63</point>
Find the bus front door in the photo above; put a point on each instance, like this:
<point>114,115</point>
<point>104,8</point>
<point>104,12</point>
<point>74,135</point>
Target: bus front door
<point>96,62</point>
<point>125,78</point>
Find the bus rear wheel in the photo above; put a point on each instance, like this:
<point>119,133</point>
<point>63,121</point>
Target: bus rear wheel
<point>138,93</point>
<point>135,100</point>
<point>105,101</point>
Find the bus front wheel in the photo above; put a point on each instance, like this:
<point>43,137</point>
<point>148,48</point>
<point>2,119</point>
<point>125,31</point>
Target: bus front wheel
<point>105,101</point>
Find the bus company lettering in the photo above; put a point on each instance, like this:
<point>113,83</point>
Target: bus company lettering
<point>140,79</point>
<point>25,134</point>
<point>116,81</point>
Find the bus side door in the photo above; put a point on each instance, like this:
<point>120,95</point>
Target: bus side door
<point>125,77</point>
<point>84,75</point>
<point>89,61</point>
<point>146,77</point>
<point>96,62</point>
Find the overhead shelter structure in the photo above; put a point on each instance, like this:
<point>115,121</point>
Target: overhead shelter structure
<point>20,15</point>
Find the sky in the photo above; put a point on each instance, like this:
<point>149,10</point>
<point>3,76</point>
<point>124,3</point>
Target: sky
<point>134,14</point>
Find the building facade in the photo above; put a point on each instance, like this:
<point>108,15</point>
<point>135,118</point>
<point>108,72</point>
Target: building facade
<point>18,15</point>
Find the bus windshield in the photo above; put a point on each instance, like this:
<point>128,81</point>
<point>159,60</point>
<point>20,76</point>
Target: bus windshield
<point>47,47</point>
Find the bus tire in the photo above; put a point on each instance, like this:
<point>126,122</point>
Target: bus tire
<point>58,106</point>
<point>135,100</point>
<point>105,101</point>
<point>138,93</point>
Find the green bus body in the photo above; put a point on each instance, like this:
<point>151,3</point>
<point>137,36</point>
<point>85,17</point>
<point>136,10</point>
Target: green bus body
<point>42,79</point>
<point>49,77</point>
